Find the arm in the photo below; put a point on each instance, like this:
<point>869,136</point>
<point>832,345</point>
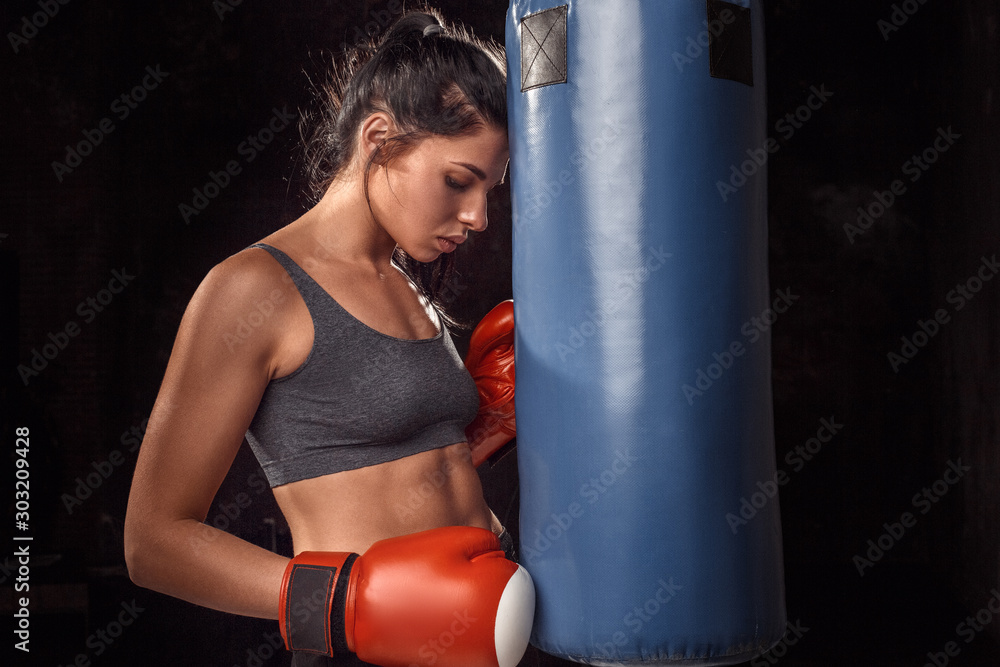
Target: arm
<point>207,399</point>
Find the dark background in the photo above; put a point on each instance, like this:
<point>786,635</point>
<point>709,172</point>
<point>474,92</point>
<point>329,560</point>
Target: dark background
<point>60,241</point>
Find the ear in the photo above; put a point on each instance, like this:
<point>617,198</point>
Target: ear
<point>374,131</point>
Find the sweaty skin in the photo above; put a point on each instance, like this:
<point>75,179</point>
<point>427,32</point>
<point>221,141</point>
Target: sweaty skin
<point>426,201</point>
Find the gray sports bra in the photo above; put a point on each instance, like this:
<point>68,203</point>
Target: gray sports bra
<point>360,398</point>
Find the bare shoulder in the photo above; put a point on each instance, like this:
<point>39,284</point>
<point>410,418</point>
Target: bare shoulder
<point>249,274</point>
<point>241,305</point>
<point>249,281</point>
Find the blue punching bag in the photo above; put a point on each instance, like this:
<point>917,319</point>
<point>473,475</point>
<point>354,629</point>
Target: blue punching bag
<point>649,513</point>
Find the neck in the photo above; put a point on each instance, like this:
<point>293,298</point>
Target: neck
<point>341,227</point>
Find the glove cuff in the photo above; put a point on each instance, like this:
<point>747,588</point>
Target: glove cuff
<point>312,610</point>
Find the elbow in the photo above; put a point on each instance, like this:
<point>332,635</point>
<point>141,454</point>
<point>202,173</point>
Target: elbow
<point>137,550</point>
<point>133,562</point>
<point>152,551</point>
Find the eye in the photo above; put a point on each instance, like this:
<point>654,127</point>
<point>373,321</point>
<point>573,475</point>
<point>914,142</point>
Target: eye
<point>453,184</point>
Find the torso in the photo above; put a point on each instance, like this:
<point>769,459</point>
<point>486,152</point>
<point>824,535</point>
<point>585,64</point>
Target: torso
<point>350,510</point>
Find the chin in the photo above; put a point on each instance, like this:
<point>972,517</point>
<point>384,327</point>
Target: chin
<point>424,256</point>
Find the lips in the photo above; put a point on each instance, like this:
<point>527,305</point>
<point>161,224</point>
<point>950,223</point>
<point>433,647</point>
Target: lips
<point>449,243</point>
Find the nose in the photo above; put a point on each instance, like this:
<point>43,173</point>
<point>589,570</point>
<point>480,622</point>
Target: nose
<point>473,213</point>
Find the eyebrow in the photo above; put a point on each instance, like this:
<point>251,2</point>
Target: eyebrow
<point>473,168</point>
<point>480,174</point>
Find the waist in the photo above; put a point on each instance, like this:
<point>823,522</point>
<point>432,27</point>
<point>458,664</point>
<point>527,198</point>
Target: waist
<point>350,510</point>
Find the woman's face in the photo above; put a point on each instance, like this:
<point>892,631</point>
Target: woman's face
<point>432,196</point>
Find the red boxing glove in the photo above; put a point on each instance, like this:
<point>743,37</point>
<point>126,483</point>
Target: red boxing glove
<point>491,362</point>
<point>446,597</point>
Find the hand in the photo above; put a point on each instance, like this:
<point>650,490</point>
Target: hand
<point>491,362</point>
<point>446,596</point>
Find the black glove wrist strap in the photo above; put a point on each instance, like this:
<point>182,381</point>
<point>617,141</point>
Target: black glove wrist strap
<point>314,601</point>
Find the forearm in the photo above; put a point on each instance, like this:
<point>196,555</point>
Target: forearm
<point>208,567</point>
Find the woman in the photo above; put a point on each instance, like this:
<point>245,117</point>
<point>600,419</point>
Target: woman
<point>350,392</point>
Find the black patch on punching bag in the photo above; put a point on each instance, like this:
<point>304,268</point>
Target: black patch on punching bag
<point>730,51</point>
<point>543,48</point>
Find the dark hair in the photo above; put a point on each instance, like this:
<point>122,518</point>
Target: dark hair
<point>432,78</point>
